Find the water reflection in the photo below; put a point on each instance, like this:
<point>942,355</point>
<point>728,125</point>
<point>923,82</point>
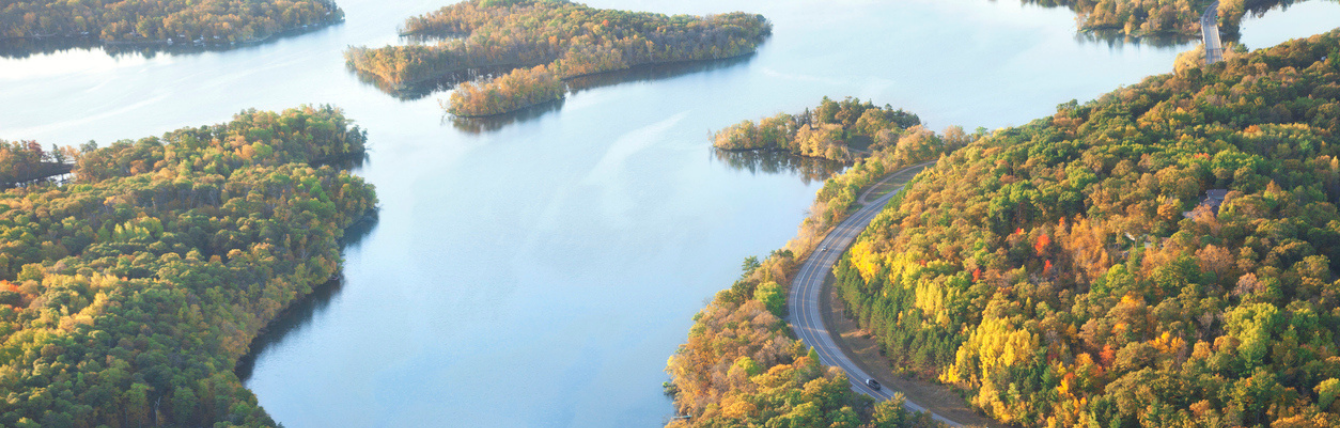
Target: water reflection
<point>304,310</point>
<point>47,173</point>
<point>477,125</point>
<point>1116,39</point>
<point>1258,8</point>
<point>353,162</point>
<point>24,48</point>
<point>416,90</point>
<point>429,39</point>
<point>647,73</point>
<point>523,278</point>
<point>293,318</point>
<point>777,162</point>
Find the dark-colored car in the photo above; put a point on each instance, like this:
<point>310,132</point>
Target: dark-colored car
<point>872,384</point>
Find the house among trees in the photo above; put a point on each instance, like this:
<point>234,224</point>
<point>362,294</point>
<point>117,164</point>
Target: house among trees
<point>1213,199</point>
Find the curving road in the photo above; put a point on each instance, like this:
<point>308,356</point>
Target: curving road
<point>806,289</point>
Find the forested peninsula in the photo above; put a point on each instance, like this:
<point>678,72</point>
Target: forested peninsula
<point>1164,17</point>
<point>742,365</point>
<point>480,37</point>
<point>1165,255</point>
<point>176,22</point>
<point>835,130</point>
<point>128,295</point>
<point>521,88</point>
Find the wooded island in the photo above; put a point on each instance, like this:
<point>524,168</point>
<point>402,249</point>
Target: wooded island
<point>487,37</point>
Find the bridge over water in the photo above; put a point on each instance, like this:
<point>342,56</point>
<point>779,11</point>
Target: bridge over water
<point>1209,31</point>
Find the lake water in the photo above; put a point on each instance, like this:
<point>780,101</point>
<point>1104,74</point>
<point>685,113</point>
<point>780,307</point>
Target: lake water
<point>538,271</point>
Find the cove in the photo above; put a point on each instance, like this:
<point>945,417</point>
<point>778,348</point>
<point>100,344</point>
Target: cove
<point>539,271</point>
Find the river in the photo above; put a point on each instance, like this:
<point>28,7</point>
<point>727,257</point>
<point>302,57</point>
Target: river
<point>539,271</point>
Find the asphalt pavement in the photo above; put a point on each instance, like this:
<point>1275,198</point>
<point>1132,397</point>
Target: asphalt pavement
<point>1209,31</point>
<point>807,288</point>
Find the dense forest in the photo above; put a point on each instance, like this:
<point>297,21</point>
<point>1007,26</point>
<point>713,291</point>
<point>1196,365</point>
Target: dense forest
<point>829,131</point>
<point>742,365</point>
<point>523,87</point>
<point>571,39</point>
<point>1165,255</point>
<point>128,295</point>
<point>1146,17</point>
<point>206,22</point>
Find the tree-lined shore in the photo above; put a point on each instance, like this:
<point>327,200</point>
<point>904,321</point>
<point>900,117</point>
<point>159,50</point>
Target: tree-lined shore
<point>176,22</point>
<point>128,294</point>
<point>1165,255</point>
<point>742,365</point>
<point>488,37</point>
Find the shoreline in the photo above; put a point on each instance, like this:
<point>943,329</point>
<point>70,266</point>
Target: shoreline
<point>506,112</point>
<point>408,87</point>
<point>599,73</point>
<point>90,41</point>
<point>301,308</point>
<point>790,153</point>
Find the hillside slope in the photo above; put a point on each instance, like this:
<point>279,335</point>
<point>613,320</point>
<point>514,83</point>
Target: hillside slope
<point>1165,255</point>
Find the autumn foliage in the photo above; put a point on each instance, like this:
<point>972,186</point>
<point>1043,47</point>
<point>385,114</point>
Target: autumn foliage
<point>25,161</point>
<point>570,39</point>
<point>143,21</point>
<point>1069,272</point>
<point>895,141</point>
<point>827,132</point>
<point>521,88</point>
<point>741,366</point>
<point>127,297</point>
<point>1141,18</point>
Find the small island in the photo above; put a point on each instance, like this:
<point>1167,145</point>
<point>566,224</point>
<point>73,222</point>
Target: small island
<point>163,22</point>
<point>835,130</point>
<point>523,87</point>
<point>128,294</point>
<point>490,37</point>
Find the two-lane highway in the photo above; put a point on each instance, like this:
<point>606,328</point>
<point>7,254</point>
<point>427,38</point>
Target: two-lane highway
<point>1209,32</point>
<point>807,288</point>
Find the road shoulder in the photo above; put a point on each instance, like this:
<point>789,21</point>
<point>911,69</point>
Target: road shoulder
<point>860,347</point>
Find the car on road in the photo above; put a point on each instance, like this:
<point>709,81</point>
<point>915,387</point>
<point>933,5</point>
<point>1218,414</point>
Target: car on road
<point>872,384</point>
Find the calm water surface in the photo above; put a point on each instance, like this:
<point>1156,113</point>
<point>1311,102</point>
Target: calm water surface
<point>539,271</point>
